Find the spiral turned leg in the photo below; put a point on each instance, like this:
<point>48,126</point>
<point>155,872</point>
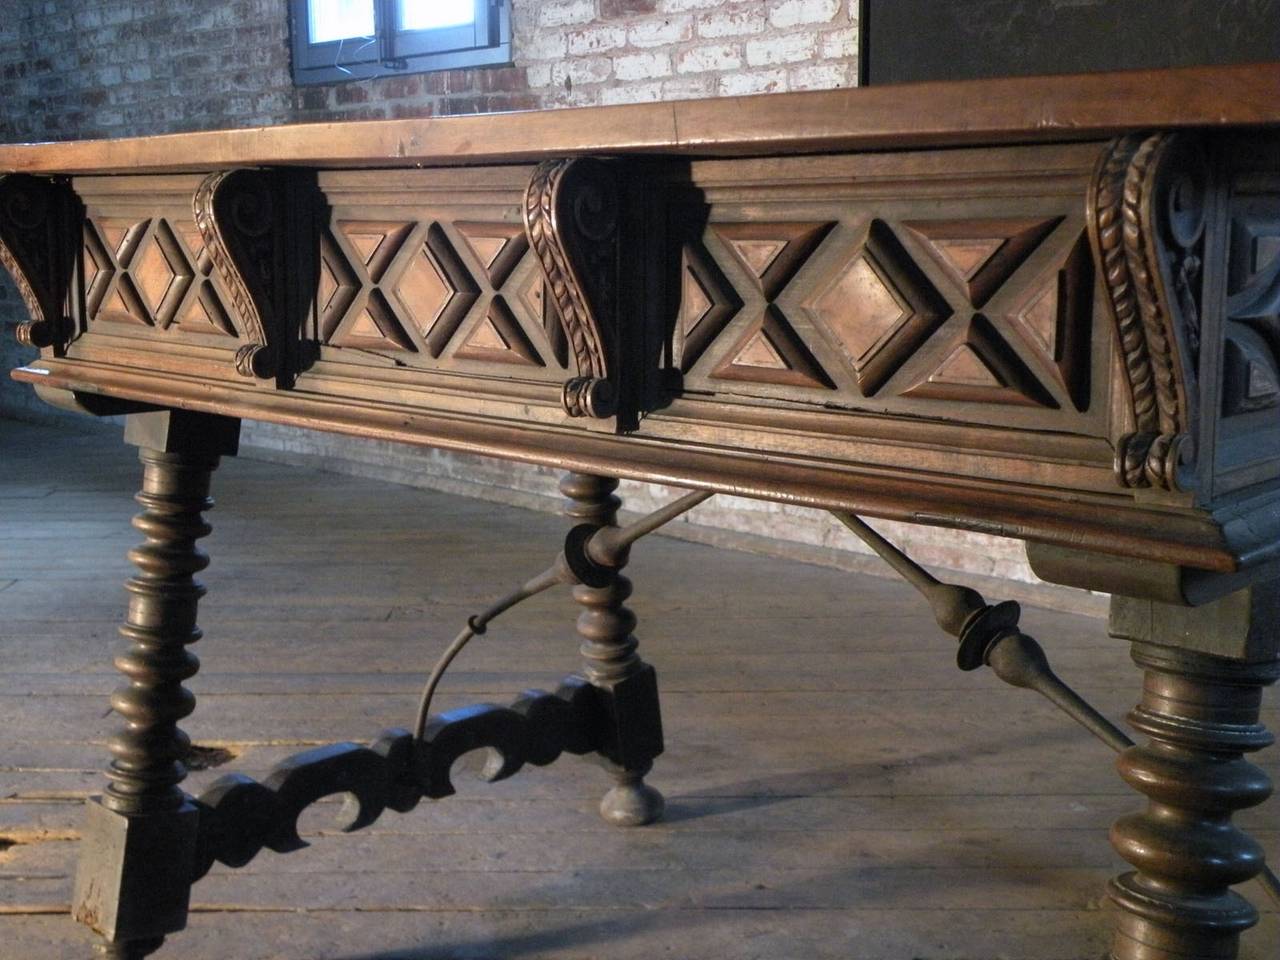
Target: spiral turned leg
<point>1201,715</point>
<point>628,686</point>
<point>138,848</point>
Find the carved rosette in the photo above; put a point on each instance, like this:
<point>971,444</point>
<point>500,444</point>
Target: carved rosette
<point>236,214</point>
<point>571,220</point>
<point>38,232</point>
<point>1146,225</point>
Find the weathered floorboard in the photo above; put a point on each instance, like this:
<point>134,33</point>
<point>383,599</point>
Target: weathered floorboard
<point>836,788</point>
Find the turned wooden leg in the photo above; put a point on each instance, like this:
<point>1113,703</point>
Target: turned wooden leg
<point>628,686</point>
<point>138,848</point>
<point>1200,713</point>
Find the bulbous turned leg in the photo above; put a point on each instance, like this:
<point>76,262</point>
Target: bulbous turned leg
<point>628,687</point>
<point>1200,714</point>
<point>138,846</point>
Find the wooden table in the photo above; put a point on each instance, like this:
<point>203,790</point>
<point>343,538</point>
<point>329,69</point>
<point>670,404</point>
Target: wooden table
<point>1043,308</point>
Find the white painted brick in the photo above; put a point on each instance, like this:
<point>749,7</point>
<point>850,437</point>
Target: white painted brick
<point>841,44</point>
<point>792,48</point>
<point>742,84</point>
<point>820,76</point>
<point>679,6</point>
<point>561,12</point>
<point>597,39</point>
<point>717,56</point>
<point>689,88</point>
<point>581,70</point>
<point>731,23</point>
<point>632,93</point>
<point>642,66</point>
<point>793,13</point>
<point>538,74</point>
<point>657,33</point>
<point>544,45</point>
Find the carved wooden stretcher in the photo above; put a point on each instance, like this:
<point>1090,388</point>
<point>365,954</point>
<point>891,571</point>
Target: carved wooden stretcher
<point>1044,308</point>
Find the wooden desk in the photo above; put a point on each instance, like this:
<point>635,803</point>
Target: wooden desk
<point>1044,308</point>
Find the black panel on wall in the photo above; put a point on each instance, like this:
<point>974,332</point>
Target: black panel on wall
<point>907,40</point>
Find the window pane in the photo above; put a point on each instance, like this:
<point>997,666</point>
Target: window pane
<point>341,19</point>
<point>429,14</point>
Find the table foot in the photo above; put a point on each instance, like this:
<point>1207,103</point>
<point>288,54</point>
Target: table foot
<point>632,803</point>
<point>129,949</point>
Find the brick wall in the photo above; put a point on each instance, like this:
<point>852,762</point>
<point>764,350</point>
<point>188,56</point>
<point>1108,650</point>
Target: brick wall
<point>102,68</point>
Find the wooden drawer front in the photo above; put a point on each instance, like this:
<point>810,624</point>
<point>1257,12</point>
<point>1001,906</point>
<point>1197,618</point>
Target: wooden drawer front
<point>147,281</point>
<point>430,270</point>
<point>955,285</point>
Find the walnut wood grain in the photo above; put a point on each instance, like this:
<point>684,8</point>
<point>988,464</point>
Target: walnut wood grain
<point>1015,110</point>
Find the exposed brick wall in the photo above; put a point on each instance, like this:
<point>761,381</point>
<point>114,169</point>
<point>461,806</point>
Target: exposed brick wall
<point>103,68</point>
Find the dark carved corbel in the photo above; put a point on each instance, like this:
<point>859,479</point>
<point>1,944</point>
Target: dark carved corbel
<point>571,219</point>
<point>39,236</point>
<point>238,215</point>
<point>1146,224</point>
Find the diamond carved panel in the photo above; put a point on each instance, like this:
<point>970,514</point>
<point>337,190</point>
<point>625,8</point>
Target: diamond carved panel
<point>878,306</point>
<point>161,274</point>
<point>437,323</point>
<point>766,348</point>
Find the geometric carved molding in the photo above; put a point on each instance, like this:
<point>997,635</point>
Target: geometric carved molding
<point>879,307</point>
<point>450,291</point>
<point>1055,321</point>
<point>498,247</point>
<point>378,290</point>
<point>980,255</point>
<point>153,272</point>
<point>707,303</point>
<point>771,253</point>
<point>980,367</point>
<point>1251,358</point>
<point>162,273</point>
<point>498,338</point>
<point>771,352</point>
<point>113,245</point>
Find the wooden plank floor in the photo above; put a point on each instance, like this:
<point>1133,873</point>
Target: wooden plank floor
<point>836,788</point>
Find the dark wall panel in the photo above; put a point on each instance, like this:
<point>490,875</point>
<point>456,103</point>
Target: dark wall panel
<point>906,40</point>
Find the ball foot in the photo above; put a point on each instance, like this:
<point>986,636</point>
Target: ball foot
<point>632,803</point>
<point>129,949</point>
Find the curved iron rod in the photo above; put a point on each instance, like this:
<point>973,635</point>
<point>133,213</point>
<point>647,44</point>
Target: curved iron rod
<point>611,541</point>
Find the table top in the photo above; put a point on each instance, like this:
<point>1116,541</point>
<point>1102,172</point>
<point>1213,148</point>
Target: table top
<point>1011,110</point>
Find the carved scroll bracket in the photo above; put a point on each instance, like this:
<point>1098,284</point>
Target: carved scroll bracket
<point>237,213</point>
<point>571,218</point>
<point>1146,224</point>
<point>39,237</point>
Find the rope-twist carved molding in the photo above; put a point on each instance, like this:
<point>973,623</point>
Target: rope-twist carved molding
<point>39,232</point>
<point>1145,225</point>
<point>571,220</point>
<point>240,816</point>
<point>234,211</point>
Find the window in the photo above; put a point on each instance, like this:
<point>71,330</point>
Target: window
<point>352,39</point>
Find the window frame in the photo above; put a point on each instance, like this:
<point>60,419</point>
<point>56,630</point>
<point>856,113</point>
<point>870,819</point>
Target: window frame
<point>393,51</point>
